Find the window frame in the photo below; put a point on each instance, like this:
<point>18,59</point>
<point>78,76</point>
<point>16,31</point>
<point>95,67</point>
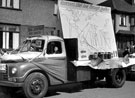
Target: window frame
<point>11,6</point>
<point>7,29</point>
<point>52,47</point>
<point>132,23</point>
<point>123,20</point>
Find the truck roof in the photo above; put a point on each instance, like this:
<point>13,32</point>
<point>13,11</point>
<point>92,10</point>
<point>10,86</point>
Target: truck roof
<point>49,37</point>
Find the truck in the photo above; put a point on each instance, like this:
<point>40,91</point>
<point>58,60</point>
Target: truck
<point>86,52</point>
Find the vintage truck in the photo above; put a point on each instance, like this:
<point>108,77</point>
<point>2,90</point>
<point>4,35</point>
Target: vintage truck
<point>36,66</point>
<point>86,52</point>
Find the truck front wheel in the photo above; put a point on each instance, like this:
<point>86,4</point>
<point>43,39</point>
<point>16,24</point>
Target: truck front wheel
<point>35,85</point>
<point>116,78</point>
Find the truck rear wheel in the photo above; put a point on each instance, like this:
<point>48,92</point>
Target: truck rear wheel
<point>116,78</point>
<point>35,85</point>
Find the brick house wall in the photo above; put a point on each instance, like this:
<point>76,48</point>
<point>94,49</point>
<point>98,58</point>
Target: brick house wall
<point>31,13</point>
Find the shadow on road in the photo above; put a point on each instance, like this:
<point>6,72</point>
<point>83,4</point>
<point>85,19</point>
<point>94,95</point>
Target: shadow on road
<point>68,88</point>
<point>75,87</point>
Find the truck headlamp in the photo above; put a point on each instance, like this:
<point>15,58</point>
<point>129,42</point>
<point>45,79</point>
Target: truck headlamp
<point>14,70</point>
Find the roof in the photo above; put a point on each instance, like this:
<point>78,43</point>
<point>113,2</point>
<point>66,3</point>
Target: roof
<point>120,5</point>
<point>121,32</point>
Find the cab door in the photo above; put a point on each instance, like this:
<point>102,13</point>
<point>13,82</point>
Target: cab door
<point>56,61</point>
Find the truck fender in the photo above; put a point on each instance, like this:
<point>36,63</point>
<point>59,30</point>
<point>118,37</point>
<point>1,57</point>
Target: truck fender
<point>35,70</point>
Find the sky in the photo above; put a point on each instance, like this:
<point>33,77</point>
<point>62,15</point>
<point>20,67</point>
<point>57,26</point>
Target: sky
<point>95,1</point>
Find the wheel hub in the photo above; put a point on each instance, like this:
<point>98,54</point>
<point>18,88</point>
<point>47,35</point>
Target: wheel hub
<point>119,77</point>
<point>36,87</point>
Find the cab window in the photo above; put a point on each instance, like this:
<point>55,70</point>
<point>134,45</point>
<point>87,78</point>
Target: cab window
<point>37,45</point>
<point>54,47</point>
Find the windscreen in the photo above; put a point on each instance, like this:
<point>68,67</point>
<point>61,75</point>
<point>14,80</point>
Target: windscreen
<point>33,45</point>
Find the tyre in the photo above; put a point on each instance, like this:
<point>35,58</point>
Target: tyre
<point>35,85</point>
<point>116,78</point>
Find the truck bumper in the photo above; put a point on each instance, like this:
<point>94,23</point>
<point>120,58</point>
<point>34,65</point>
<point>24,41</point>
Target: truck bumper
<point>10,84</point>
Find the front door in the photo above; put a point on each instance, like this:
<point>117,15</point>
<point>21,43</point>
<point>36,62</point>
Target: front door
<point>56,61</point>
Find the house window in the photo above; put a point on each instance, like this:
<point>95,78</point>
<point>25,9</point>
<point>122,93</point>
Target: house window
<point>132,21</point>
<point>9,36</point>
<point>15,4</point>
<point>122,20</point>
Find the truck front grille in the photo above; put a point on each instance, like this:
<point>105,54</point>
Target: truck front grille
<point>3,76</point>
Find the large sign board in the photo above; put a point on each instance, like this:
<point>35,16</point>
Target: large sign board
<point>40,30</point>
<point>90,24</point>
<point>35,30</point>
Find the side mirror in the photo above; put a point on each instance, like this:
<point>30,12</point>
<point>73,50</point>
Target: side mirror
<point>44,52</point>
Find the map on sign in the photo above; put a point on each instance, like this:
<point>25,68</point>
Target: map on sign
<point>91,24</point>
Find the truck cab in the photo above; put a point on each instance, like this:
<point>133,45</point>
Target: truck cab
<point>43,56</point>
<point>36,51</point>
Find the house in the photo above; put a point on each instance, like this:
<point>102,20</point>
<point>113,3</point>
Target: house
<point>17,15</point>
<point>123,16</point>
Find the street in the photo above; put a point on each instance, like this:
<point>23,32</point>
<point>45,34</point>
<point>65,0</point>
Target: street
<point>100,90</point>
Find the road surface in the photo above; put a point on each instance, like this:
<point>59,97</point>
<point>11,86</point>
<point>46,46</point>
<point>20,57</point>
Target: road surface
<point>100,91</point>
<point>83,91</point>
